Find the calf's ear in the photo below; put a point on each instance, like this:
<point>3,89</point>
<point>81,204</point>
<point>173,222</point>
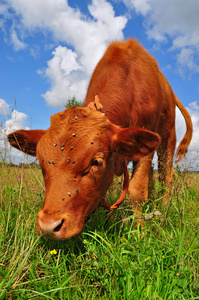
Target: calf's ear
<point>133,143</point>
<point>96,104</point>
<point>26,140</point>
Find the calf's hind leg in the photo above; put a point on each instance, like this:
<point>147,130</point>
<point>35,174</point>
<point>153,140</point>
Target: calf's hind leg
<point>165,163</point>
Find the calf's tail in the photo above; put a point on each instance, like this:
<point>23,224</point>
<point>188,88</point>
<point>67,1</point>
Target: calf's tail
<point>183,146</point>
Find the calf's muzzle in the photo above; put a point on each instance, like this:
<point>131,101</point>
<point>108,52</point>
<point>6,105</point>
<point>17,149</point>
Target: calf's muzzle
<point>53,227</point>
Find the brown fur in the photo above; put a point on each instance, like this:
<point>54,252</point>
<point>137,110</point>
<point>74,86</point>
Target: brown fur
<point>84,147</point>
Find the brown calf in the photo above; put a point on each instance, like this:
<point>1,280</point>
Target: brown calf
<point>84,147</point>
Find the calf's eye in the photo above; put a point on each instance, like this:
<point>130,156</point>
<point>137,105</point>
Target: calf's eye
<point>97,162</point>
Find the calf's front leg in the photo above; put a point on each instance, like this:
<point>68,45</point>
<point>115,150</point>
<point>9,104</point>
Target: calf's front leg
<point>138,186</point>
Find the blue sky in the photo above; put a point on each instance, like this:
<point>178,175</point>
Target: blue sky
<point>49,48</point>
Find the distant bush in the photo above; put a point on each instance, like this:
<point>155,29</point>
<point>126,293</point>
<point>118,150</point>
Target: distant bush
<point>73,102</point>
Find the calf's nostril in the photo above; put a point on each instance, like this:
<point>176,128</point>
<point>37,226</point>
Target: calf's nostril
<point>57,228</point>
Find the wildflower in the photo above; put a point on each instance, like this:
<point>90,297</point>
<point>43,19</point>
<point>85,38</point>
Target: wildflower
<point>87,243</point>
<point>53,252</point>
<point>19,177</point>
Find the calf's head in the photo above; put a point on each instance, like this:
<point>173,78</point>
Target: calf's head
<point>79,156</point>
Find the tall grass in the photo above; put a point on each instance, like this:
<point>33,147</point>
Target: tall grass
<point>110,259</point>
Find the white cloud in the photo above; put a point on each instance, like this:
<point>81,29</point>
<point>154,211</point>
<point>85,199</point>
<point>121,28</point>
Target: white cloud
<point>35,51</point>
<point>167,67</point>
<point>17,44</point>
<point>193,110</point>
<point>17,120</point>
<point>187,60</point>
<point>3,11</point>
<point>173,18</point>
<point>191,160</point>
<point>88,35</point>
<point>194,105</point>
<point>67,77</point>
<point>38,14</point>
<point>173,21</point>
<point>176,21</point>
<point>140,6</point>
<point>4,108</point>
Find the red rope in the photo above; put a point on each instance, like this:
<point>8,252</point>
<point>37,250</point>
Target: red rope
<point>106,205</point>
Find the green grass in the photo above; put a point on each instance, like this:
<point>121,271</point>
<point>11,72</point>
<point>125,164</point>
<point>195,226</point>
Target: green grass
<point>110,259</point>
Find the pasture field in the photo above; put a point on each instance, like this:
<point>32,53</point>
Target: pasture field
<point>111,259</point>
